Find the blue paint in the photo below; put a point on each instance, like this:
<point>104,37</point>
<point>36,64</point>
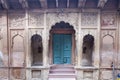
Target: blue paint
<point>62,47</point>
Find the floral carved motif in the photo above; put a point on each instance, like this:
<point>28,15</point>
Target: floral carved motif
<point>89,19</point>
<point>108,20</point>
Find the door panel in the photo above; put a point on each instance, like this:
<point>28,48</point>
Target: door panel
<point>57,48</point>
<point>62,48</point>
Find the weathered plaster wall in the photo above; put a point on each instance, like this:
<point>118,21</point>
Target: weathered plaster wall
<point>17,28</point>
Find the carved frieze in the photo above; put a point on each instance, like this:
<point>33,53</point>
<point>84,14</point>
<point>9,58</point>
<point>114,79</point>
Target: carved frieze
<point>17,20</point>
<point>36,19</point>
<point>108,20</point>
<point>89,19</point>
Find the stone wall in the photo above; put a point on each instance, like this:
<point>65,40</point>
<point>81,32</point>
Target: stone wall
<point>17,28</point>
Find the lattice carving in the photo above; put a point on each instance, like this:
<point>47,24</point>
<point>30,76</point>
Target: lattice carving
<point>89,19</point>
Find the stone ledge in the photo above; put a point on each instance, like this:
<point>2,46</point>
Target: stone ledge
<point>38,67</point>
<point>86,68</point>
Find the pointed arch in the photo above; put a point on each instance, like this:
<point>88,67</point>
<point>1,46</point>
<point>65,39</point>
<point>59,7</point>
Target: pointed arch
<point>107,55</point>
<point>18,51</point>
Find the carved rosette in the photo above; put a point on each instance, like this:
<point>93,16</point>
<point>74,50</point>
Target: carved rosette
<point>36,19</point>
<point>108,20</point>
<point>17,20</point>
<point>89,19</point>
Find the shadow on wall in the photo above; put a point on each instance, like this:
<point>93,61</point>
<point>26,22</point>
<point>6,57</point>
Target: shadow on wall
<point>87,50</point>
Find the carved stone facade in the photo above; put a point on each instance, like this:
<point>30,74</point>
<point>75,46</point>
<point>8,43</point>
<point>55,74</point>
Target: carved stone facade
<point>17,28</point>
<point>89,19</point>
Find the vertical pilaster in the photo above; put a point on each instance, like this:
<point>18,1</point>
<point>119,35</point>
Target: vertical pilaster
<point>27,54</point>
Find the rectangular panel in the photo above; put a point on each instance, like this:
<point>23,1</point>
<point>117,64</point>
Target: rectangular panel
<point>17,48</point>
<point>57,48</point>
<point>4,74</point>
<point>36,73</point>
<point>17,74</point>
<point>67,43</point>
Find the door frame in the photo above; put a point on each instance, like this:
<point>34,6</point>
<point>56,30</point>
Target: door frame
<point>62,31</point>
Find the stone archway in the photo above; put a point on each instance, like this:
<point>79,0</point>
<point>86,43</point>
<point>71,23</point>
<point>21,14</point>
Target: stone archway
<point>62,31</point>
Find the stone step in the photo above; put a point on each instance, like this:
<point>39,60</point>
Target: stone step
<point>61,79</point>
<point>62,71</point>
<point>63,75</point>
<point>62,66</point>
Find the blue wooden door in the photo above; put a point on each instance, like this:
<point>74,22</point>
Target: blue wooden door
<point>62,48</point>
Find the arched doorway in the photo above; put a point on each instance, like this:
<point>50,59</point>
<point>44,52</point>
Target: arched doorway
<point>62,43</point>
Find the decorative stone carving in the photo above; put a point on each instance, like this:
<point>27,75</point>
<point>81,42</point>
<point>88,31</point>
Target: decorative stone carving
<point>89,19</point>
<point>71,18</point>
<point>17,20</point>
<point>36,19</point>
<point>108,20</point>
<point>17,74</point>
<point>4,74</point>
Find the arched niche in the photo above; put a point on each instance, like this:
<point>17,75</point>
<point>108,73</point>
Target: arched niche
<point>87,50</point>
<point>37,50</point>
<point>107,51</point>
<point>18,51</point>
